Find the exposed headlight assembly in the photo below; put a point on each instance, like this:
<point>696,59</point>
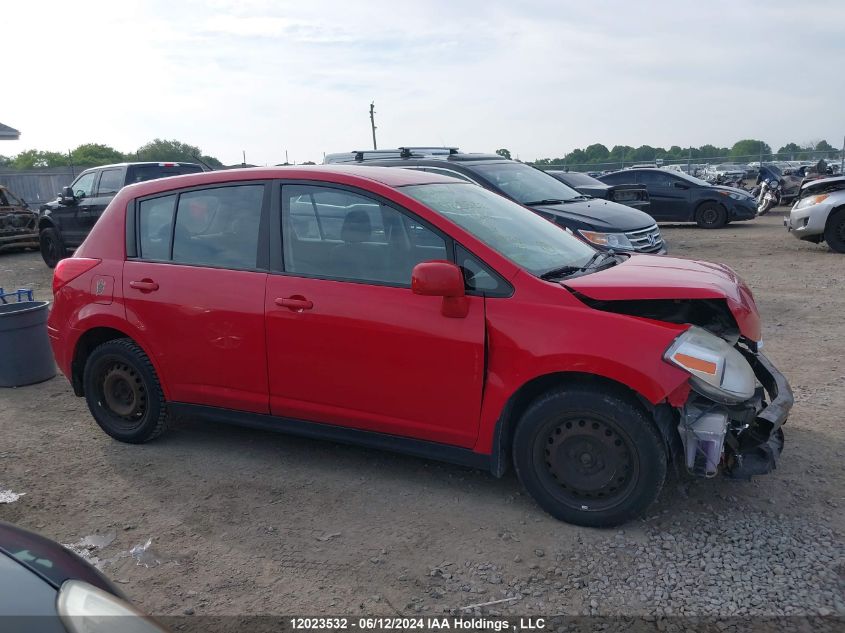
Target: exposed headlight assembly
<point>84,608</point>
<point>716,369</point>
<point>809,202</point>
<point>608,240</point>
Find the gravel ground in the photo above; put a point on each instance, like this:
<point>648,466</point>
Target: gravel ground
<point>213,520</point>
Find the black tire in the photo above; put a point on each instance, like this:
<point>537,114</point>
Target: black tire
<point>123,392</point>
<point>711,215</point>
<point>834,231</point>
<point>52,247</point>
<point>621,463</point>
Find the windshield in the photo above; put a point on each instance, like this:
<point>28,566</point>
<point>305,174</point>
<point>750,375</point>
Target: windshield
<point>523,183</point>
<point>579,179</point>
<point>521,235</point>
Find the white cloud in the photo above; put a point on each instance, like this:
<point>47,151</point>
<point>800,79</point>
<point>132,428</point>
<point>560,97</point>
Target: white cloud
<point>537,77</point>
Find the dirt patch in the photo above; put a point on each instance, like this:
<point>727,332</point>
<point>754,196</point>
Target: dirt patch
<point>248,522</point>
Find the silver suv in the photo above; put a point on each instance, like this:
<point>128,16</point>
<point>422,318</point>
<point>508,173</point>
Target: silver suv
<point>818,214</point>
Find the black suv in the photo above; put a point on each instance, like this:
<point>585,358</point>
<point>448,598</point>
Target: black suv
<point>604,224</point>
<point>66,221</point>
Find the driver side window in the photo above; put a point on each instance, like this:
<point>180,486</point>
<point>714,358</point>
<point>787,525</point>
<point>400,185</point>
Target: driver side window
<point>84,185</point>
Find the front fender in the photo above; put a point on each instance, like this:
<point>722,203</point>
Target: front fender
<point>622,349</point>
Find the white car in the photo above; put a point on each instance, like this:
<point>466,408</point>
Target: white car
<point>818,214</point>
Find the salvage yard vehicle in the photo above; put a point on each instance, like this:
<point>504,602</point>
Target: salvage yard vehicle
<point>818,214</point>
<point>679,197</point>
<point>45,588</point>
<point>18,223</point>
<point>66,221</point>
<point>634,196</point>
<point>411,311</point>
<point>603,223</point>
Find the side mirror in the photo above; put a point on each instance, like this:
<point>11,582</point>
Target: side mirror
<point>442,279</point>
<point>66,196</point>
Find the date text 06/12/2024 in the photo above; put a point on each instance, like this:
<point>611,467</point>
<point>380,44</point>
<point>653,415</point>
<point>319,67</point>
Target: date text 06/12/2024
<point>418,623</point>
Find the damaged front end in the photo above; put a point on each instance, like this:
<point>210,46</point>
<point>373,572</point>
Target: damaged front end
<point>730,417</point>
<point>18,224</point>
<point>731,422</point>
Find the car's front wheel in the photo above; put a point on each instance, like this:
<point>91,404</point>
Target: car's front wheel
<point>711,216</point>
<point>834,233</point>
<point>589,457</point>
<point>123,392</point>
<point>52,248</point>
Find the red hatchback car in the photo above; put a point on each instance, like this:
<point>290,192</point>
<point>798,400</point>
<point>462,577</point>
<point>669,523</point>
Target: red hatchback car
<point>413,312</point>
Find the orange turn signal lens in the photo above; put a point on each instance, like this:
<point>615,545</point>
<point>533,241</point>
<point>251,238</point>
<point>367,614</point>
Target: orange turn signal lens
<point>697,364</point>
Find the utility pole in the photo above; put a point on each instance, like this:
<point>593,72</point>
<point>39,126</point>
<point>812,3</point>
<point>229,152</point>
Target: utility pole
<point>373,122</point>
<point>286,158</point>
<point>689,162</point>
<point>244,153</point>
<point>70,160</point>
<point>842,160</point>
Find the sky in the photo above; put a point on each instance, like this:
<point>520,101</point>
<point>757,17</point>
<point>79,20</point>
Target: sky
<point>537,77</point>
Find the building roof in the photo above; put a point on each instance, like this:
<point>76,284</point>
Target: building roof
<point>8,133</point>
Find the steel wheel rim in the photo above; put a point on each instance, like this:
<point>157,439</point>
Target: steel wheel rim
<point>587,462</point>
<point>710,216</point>
<point>122,393</point>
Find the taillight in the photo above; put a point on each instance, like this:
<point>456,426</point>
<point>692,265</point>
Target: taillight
<point>69,269</point>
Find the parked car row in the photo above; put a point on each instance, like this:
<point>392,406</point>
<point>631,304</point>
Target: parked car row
<point>604,223</point>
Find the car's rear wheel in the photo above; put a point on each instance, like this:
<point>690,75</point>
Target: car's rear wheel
<point>123,392</point>
<point>589,457</point>
<point>834,232</point>
<point>52,247</point>
<point>711,216</point>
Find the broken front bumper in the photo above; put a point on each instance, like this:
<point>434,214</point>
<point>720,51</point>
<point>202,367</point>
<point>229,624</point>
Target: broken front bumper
<point>740,440</point>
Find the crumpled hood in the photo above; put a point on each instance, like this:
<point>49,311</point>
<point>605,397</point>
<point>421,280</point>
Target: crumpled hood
<point>652,277</point>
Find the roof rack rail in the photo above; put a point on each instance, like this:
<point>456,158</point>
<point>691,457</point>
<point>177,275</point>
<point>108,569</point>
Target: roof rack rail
<point>408,150</point>
<point>359,153</point>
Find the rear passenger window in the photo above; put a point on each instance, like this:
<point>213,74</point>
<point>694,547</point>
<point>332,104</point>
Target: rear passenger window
<point>219,227</point>
<point>111,181</point>
<point>155,225</point>
<point>339,234</point>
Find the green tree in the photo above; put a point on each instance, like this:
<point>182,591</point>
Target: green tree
<point>824,146</point>
<point>790,149</point>
<point>749,147</point>
<point>94,154</point>
<point>504,153</point>
<point>5,161</point>
<point>33,158</point>
<point>597,153</point>
<point>160,150</point>
<point>644,153</point>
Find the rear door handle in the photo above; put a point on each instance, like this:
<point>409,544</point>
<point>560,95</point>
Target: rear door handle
<point>144,285</point>
<point>297,303</point>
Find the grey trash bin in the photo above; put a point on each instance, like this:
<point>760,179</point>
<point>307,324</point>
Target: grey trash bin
<point>25,354</point>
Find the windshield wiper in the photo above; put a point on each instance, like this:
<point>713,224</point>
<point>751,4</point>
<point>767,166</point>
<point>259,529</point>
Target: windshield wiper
<point>537,203</point>
<point>562,271</point>
<point>592,263</point>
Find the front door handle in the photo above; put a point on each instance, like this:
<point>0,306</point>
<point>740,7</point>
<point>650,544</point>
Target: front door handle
<point>297,303</point>
<point>144,285</point>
